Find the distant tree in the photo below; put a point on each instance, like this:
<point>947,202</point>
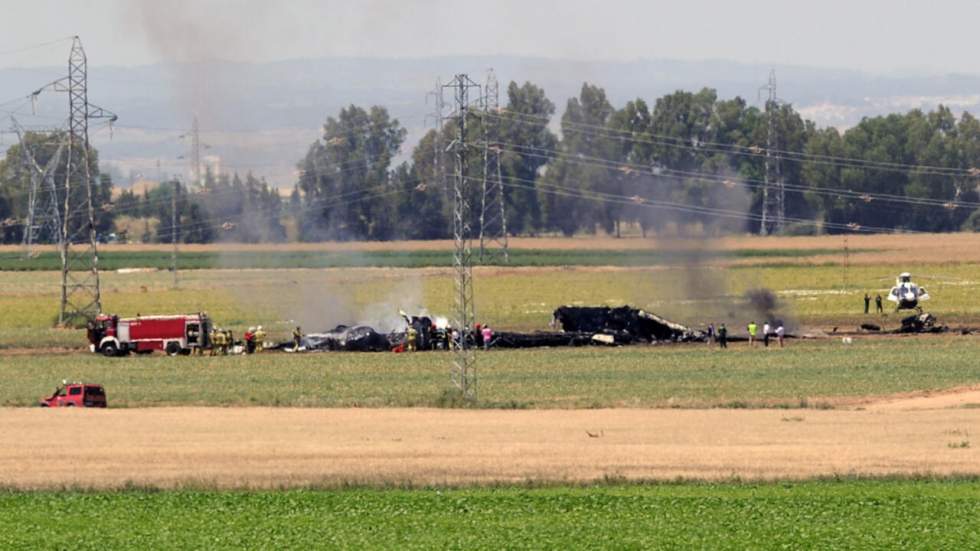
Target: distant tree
<point>525,122</point>
<point>345,173</point>
<point>574,178</point>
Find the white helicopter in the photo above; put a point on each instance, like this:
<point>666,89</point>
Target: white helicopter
<point>905,294</point>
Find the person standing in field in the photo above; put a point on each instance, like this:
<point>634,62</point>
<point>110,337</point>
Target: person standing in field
<point>878,307</point>
<point>766,329</point>
<point>752,329</point>
<point>722,336</point>
<point>259,339</point>
<point>867,303</point>
<point>780,332</point>
<point>410,338</point>
<point>250,341</point>
<point>487,337</point>
<point>711,334</point>
<point>297,337</point>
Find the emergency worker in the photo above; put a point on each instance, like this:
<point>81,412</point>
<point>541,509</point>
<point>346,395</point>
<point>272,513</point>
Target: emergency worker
<point>213,337</point>
<point>411,336</point>
<point>259,339</point>
<point>487,336</point>
<point>297,337</point>
<point>753,330</point>
<point>250,341</point>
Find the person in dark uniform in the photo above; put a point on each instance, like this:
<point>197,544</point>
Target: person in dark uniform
<point>867,303</point>
<point>878,304</point>
<point>722,336</point>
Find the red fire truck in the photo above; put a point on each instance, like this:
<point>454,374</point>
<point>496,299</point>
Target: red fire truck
<point>115,336</point>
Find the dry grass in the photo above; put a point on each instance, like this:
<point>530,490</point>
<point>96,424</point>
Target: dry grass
<point>260,447</point>
<point>968,397</point>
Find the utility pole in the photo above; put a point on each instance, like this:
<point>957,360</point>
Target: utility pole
<point>173,229</point>
<point>196,153</point>
<point>439,105</point>
<point>42,184</point>
<point>81,297</point>
<point>773,200</point>
<point>493,213</point>
<point>463,371</point>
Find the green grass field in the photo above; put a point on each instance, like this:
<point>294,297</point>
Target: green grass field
<point>875,514</point>
<point>521,299</point>
<point>805,374</point>
<point>274,259</point>
<point>279,289</point>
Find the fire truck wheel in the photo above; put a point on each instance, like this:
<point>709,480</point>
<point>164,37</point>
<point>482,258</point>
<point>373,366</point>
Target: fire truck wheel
<point>173,348</point>
<point>69,405</point>
<point>110,349</point>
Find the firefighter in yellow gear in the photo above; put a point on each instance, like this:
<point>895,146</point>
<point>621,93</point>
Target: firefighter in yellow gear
<point>411,336</point>
<point>259,338</point>
<point>213,337</point>
<point>218,342</point>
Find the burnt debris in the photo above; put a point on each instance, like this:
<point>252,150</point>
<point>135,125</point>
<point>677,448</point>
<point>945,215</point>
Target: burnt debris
<point>359,338</point>
<point>921,323</point>
<point>626,325</point>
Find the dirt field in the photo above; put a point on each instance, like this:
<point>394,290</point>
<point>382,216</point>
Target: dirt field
<point>260,447</point>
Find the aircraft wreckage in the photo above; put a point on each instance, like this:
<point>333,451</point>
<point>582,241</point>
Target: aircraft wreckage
<point>579,326</point>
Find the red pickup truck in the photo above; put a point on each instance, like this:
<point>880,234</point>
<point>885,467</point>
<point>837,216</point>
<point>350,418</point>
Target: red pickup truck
<point>85,395</point>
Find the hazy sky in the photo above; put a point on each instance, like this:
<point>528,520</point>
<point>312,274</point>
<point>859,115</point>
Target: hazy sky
<point>872,35</point>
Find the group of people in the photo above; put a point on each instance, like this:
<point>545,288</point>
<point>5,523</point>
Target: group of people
<point>769,330</point>
<point>223,341</point>
<point>254,340</point>
<point>879,308</point>
<point>448,339</point>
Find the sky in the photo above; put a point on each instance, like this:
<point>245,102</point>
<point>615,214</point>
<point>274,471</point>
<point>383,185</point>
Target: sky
<point>877,36</point>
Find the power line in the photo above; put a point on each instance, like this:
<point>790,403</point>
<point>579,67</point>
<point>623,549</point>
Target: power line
<point>36,46</point>
<point>696,144</point>
<point>668,205</point>
<point>628,168</point>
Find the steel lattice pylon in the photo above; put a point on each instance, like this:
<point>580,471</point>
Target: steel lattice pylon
<point>463,372</point>
<point>43,214</point>
<point>493,213</point>
<point>773,200</point>
<point>81,297</point>
<point>438,172</point>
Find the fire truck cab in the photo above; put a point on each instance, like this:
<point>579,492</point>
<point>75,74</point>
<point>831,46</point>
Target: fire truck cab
<point>180,334</point>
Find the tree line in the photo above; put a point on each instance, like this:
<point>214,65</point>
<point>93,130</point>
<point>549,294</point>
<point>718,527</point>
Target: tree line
<point>686,160</point>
